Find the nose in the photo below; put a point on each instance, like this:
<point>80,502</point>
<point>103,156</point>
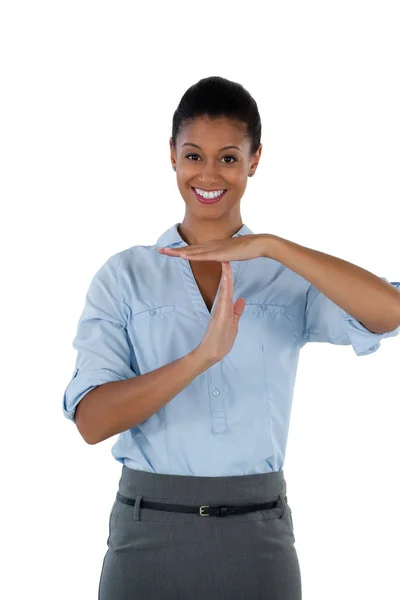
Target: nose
<point>209,175</point>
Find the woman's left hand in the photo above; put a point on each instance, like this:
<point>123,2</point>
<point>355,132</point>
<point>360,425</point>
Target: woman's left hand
<point>243,247</point>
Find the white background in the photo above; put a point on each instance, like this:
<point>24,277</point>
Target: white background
<point>88,94</point>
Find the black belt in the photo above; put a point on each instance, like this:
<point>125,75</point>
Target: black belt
<point>204,511</point>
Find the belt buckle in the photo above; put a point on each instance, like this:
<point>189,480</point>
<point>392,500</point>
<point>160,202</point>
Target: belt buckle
<point>202,514</point>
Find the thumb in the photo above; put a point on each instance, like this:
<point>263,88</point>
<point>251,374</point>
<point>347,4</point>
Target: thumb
<point>238,309</point>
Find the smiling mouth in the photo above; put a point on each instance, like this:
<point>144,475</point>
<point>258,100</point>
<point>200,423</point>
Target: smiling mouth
<point>216,190</point>
<point>208,200</point>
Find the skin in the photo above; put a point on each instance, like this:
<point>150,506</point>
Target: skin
<point>210,168</point>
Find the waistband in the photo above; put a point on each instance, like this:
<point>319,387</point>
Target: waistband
<point>182,489</point>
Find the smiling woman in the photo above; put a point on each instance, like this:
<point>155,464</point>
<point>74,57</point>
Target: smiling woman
<point>195,374</point>
<point>218,121</point>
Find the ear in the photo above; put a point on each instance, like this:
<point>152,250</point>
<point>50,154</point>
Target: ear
<point>172,152</point>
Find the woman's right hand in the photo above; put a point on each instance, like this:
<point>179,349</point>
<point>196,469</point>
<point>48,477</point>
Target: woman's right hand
<point>224,320</point>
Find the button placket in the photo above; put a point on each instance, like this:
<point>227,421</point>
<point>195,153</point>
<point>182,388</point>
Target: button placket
<point>217,406</point>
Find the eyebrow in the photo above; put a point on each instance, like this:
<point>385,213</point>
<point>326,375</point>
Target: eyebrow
<point>224,148</point>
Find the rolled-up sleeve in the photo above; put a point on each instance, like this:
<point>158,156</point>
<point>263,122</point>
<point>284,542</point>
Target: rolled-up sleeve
<point>104,350</point>
<point>325,321</point>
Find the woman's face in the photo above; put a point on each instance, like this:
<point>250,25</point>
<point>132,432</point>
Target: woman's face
<point>201,162</point>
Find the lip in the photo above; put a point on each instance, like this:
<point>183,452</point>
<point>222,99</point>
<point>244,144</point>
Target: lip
<point>204,201</point>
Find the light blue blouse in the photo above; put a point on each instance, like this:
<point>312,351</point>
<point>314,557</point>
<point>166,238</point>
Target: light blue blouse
<point>144,310</point>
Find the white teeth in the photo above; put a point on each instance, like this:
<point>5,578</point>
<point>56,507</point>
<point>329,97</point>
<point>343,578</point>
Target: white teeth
<point>209,195</point>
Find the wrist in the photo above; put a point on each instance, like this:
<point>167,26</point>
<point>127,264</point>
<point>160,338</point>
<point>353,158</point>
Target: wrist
<point>201,359</point>
<point>267,244</point>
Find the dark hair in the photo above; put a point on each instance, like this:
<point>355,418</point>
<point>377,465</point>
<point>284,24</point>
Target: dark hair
<point>218,97</point>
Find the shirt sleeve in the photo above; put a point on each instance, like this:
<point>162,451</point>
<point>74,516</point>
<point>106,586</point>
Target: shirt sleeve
<point>105,352</point>
<point>325,321</point>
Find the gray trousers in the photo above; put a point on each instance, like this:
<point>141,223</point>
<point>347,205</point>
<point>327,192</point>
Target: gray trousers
<point>160,555</point>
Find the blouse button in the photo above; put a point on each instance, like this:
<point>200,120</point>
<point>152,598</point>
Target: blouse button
<point>152,312</point>
<point>216,393</point>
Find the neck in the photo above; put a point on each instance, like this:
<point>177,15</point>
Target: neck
<point>193,231</point>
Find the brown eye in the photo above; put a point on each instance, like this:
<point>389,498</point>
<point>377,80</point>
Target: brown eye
<point>233,157</point>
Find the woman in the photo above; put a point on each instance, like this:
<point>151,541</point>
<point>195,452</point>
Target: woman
<point>199,387</point>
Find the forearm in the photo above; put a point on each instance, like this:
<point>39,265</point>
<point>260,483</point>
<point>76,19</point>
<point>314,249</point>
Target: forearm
<point>360,293</point>
<point>117,406</point>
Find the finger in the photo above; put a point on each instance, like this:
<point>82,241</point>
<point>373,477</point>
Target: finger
<point>223,280</point>
<point>227,279</point>
<point>226,270</point>
<point>167,250</point>
<point>200,255</point>
<point>184,249</point>
<point>196,250</point>
<point>173,251</point>
<point>224,292</point>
